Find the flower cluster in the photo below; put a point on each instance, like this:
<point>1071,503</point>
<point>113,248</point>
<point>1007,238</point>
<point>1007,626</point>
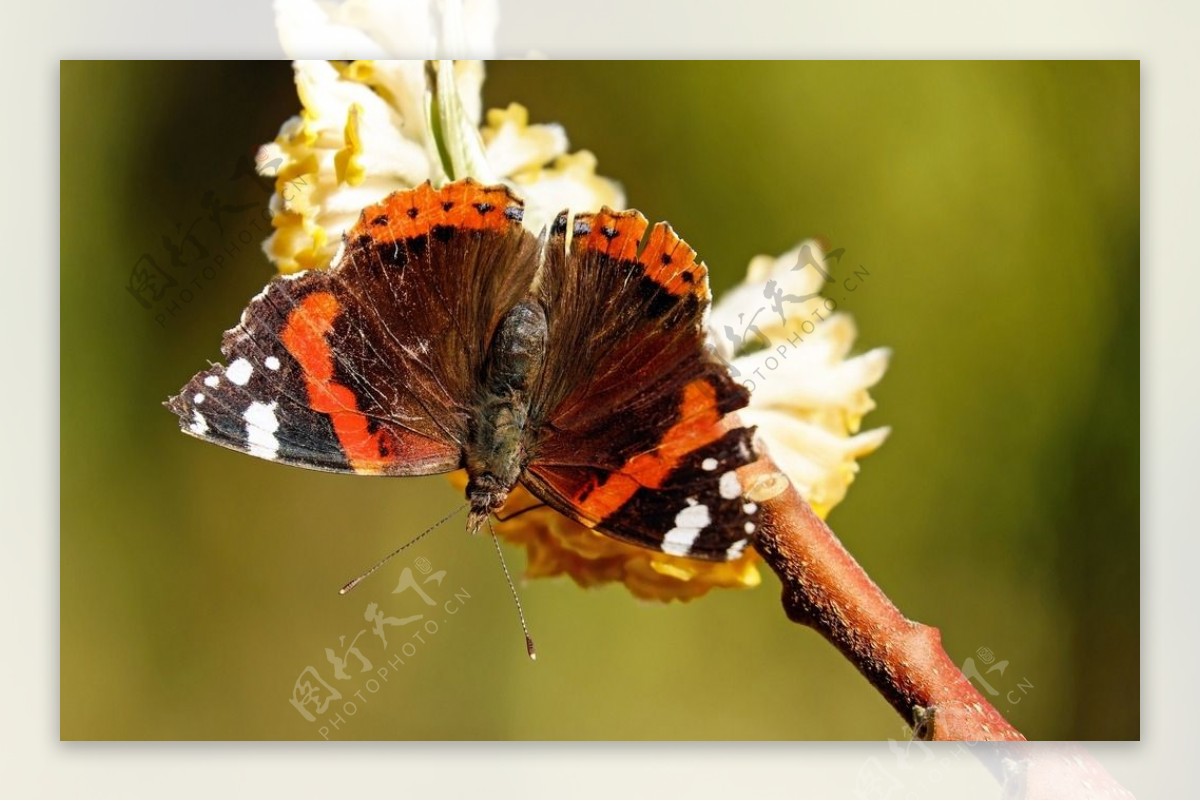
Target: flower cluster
<point>808,394</point>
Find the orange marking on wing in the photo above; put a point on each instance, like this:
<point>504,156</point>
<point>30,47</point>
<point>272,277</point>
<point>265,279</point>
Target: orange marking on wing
<point>415,212</point>
<point>305,337</point>
<point>614,233</point>
<point>700,424</point>
<point>672,263</point>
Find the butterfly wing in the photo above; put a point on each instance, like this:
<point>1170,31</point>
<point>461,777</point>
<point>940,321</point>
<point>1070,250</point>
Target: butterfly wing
<point>632,436</point>
<point>368,367</point>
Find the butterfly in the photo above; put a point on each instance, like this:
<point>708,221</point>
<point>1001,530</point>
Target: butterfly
<point>445,335</point>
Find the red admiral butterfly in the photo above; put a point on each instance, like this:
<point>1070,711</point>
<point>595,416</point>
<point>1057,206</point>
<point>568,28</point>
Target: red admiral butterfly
<point>446,336</point>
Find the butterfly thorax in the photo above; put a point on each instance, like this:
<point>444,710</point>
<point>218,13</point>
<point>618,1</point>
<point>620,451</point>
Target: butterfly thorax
<point>495,452</point>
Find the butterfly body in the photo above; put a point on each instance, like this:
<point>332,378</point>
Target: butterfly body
<point>446,336</point>
<point>496,453</point>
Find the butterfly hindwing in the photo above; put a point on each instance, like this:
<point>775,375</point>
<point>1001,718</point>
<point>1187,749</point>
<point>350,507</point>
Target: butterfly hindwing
<point>633,407</point>
<point>706,515</point>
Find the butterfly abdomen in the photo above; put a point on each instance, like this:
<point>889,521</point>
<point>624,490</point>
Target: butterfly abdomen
<point>495,456</point>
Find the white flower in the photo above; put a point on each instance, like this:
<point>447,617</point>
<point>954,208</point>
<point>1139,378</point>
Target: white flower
<point>367,129</point>
<point>788,345</point>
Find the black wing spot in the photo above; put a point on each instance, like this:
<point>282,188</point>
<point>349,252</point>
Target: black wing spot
<point>449,204</point>
<point>666,259</point>
<point>483,208</point>
<point>382,219</point>
<point>686,275</point>
<point>658,301</point>
<point>412,213</point>
<point>560,224</point>
<point>609,232</point>
<point>390,254</point>
<point>418,245</point>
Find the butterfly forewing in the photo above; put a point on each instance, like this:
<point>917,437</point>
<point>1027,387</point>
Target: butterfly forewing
<point>368,367</point>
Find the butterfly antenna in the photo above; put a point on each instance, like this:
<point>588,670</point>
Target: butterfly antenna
<point>349,585</point>
<point>529,649</point>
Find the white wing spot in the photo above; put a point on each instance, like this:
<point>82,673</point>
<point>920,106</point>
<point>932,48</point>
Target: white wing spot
<point>749,528</point>
<point>198,425</point>
<point>239,372</point>
<point>198,397</point>
<point>735,550</point>
<point>693,517</point>
<point>730,487</point>
<point>212,381</point>
<point>750,508</point>
<point>272,363</point>
<point>261,425</point>
<point>709,464</point>
<point>688,525</point>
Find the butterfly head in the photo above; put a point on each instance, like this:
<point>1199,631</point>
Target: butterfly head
<point>485,494</point>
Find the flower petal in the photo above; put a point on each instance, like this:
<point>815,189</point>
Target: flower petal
<point>820,462</point>
<point>513,145</point>
<point>814,373</point>
<point>776,295</point>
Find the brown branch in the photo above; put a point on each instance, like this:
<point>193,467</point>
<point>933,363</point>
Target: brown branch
<point>824,588</point>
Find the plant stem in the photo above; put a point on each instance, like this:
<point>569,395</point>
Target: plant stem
<point>824,588</point>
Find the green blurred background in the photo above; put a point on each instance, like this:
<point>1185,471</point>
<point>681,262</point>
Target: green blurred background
<point>996,208</point>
